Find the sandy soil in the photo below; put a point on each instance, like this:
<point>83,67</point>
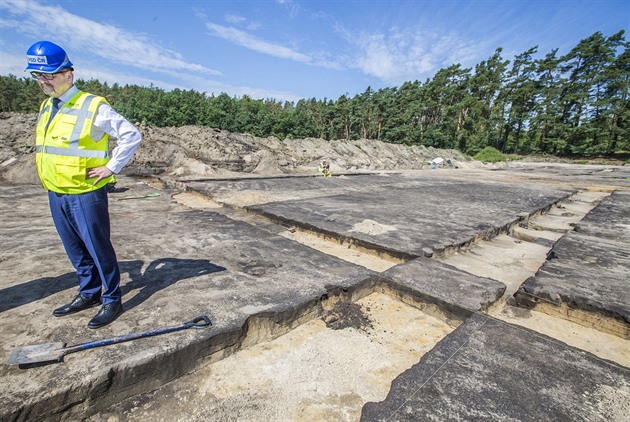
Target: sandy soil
<point>312,373</point>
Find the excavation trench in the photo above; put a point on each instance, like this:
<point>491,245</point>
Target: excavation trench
<point>320,362</point>
<point>326,361</point>
<point>514,257</point>
<point>323,363</point>
<point>510,254</point>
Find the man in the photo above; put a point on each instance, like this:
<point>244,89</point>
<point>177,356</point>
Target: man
<point>324,168</point>
<point>74,165</point>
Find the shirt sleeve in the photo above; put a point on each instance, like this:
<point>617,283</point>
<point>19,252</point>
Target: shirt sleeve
<point>127,136</point>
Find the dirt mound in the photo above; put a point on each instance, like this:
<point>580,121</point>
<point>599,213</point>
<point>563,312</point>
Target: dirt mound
<point>346,314</point>
<point>198,152</point>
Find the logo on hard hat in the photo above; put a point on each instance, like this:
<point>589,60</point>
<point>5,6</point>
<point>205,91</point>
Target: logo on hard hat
<point>37,60</point>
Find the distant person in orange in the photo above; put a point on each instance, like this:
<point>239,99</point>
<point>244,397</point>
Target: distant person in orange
<point>75,166</point>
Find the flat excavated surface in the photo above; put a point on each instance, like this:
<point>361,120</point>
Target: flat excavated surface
<point>255,283</point>
<point>407,216</point>
<point>489,370</point>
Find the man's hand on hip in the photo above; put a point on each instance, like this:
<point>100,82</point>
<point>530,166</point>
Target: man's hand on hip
<point>99,172</point>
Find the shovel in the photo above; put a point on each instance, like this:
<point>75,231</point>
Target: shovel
<point>28,356</point>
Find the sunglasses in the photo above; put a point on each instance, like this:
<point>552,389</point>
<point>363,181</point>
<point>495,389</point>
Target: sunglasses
<point>45,76</point>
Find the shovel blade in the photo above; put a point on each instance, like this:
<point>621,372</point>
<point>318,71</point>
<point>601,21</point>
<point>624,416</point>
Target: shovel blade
<point>39,353</point>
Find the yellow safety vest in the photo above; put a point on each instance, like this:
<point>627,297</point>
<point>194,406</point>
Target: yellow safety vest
<point>65,148</point>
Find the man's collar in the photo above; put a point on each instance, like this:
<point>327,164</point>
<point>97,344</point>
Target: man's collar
<point>71,92</point>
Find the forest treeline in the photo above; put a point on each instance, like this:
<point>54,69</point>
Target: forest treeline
<point>575,104</point>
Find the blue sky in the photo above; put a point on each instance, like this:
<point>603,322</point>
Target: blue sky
<point>292,49</point>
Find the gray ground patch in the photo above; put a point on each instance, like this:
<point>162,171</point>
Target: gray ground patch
<point>446,284</point>
<point>420,214</point>
<point>489,370</point>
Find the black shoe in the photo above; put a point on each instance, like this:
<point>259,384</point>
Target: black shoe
<point>106,315</point>
<point>79,303</point>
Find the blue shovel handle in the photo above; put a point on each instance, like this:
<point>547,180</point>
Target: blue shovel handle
<point>199,322</point>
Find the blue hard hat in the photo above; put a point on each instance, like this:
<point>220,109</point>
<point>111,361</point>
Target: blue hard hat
<point>47,57</point>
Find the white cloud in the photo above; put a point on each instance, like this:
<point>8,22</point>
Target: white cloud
<point>240,20</point>
<point>214,87</point>
<point>12,64</point>
<point>111,43</point>
<point>251,42</point>
<point>244,39</point>
<point>121,78</point>
<point>252,26</point>
<point>235,19</point>
<point>292,8</point>
<point>398,56</point>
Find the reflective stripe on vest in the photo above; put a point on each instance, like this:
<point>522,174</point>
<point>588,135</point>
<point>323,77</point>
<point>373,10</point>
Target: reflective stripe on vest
<point>44,109</point>
<point>83,114</point>
<point>73,152</point>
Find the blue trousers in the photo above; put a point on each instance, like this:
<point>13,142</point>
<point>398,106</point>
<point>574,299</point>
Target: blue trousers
<point>82,221</point>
